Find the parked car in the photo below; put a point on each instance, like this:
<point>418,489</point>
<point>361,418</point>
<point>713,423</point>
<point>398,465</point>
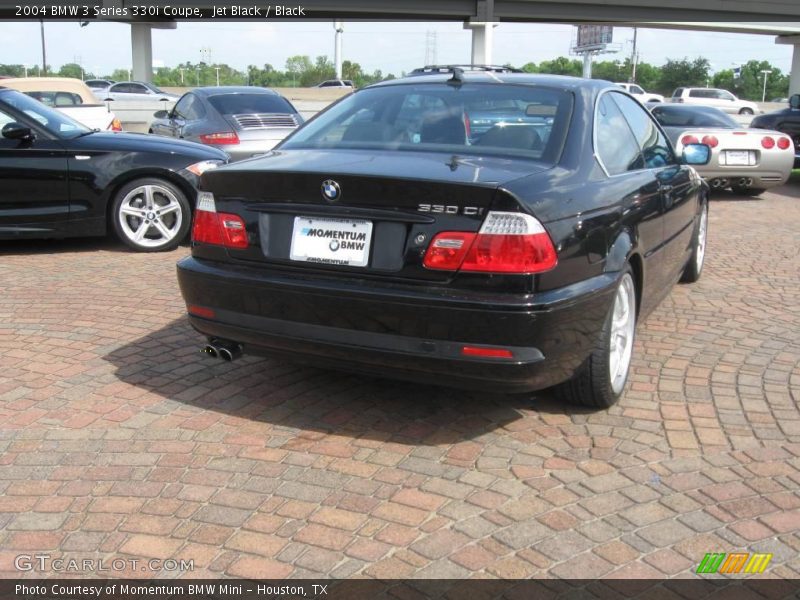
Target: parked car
<point>336,83</point>
<point>62,179</point>
<point>99,84</point>
<point>785,120</point>
<point>721,99</point>
<point>747,161</point>
<point>377,239</point>
<point>135,91</point>
<point>242,121</point>
<point>637,92</point>
<point>70,96</point>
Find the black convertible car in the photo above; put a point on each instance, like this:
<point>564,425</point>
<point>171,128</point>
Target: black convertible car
<point>61,179</point>
<point>381,238</point>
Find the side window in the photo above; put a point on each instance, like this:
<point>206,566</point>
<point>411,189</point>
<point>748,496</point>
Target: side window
<point>655,148</point>
<point>614,143</point>
<point>5,120</point>
<point>723,95</point>
<point>189,108</point>
<point>677,93</point>
<point>635,89</point>
<point>136,88</point>
<point>180,108</point>
<point>195,110</point>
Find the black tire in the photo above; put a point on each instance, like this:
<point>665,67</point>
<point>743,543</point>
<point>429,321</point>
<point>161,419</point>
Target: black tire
<point>592,385</point>
<point>694,267</point>
<point>746,111</point>
<point>170,212</point>
<point>747,191</point>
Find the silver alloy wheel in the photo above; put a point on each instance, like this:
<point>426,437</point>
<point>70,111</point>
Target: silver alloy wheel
<point>150,216</point>
<point>623,322</point>
<point>700,251</point>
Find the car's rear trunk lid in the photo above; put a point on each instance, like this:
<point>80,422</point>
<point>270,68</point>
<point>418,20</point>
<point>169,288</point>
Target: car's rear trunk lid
<point>357,211</point>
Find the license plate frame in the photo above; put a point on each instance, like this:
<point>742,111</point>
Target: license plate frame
<point>738,158</point>
<point>331,241</point>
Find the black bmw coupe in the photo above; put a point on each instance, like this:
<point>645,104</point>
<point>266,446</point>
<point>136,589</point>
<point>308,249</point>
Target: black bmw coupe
<point>386,237</point>
<point>61,179</point>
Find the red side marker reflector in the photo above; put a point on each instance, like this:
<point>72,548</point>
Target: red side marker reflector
<point>201,311</point>
<point>486,352</point>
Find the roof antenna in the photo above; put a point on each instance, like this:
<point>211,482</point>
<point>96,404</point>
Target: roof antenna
<point>458,76</point>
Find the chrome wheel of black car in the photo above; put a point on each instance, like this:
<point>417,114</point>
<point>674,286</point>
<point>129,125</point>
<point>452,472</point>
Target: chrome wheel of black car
<point>151,215</point>
<point>695,265</point>
<point>599,382</point>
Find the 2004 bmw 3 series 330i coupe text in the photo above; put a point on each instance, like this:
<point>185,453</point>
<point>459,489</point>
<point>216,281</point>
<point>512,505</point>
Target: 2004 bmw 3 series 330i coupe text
<point>485,230</point>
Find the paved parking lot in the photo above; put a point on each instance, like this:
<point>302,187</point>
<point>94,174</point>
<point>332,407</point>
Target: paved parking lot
<point>119,440</point>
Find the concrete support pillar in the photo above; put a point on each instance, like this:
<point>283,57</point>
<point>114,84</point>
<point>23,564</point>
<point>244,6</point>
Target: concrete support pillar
<point>794,77</point>
<point>587,65</point>
<point>482,42</point>
<point>142,51</point>
<point>337,25</point>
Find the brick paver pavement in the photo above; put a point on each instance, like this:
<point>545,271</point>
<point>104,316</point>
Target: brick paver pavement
<point>119,440</point>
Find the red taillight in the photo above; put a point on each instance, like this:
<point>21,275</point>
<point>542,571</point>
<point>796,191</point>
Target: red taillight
<point>710,140</point>
<point>784,143</point>
<point>448,249</point>
<point>219,229</point>
<point>506,243</point>
<point>767,142</point>
<point>201,311</point>
<point>486,352</point>
<point>689,139</point>
<point>227,138</point>
<point>115,125</point>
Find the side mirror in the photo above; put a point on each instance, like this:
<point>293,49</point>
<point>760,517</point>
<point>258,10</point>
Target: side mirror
<point>794,101</point>
<point>161,114</point>
<point>696,154</point>
<point>17,131</point>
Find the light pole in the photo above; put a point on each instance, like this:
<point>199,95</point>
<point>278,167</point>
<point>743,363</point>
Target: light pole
<point>765,73</point>
<point>181,69</point>
<point>337,57</point>
<point>217,70</point>
<point>44,52</point>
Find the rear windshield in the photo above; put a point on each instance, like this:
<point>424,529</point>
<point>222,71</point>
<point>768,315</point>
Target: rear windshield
<point>524,121</point>
<point>56,99</point>
<point>238,104</point>
<point>684,117</point>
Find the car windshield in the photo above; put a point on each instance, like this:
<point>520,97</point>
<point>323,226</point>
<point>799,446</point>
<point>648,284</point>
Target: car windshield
<point>238,104</point>
<point>689,117</point>
<point>52,120</point>
<point>523,121</point>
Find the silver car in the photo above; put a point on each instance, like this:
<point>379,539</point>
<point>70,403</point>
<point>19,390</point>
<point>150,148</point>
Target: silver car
<point>134,91</point>
<point>748,161</point>
<point>242,121</point>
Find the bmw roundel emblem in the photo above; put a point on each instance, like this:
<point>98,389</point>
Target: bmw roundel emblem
<point>331,190</point>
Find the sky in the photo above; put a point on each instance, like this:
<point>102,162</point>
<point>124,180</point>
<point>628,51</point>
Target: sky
<point>392,47</point>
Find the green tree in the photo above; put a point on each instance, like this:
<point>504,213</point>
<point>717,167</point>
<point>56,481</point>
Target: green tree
<point>296,66</point>
<point>70,70</point>
<point>13,70</point>
<point>683,73</point>
<point>610,71</point>
<point>561,66</point>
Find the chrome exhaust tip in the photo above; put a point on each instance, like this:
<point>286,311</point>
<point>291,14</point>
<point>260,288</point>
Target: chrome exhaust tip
<point>230,353</point>
<point>210,350</point>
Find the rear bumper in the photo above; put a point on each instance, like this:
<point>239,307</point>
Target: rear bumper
<point>396,331</point>
<point>761,178</point>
